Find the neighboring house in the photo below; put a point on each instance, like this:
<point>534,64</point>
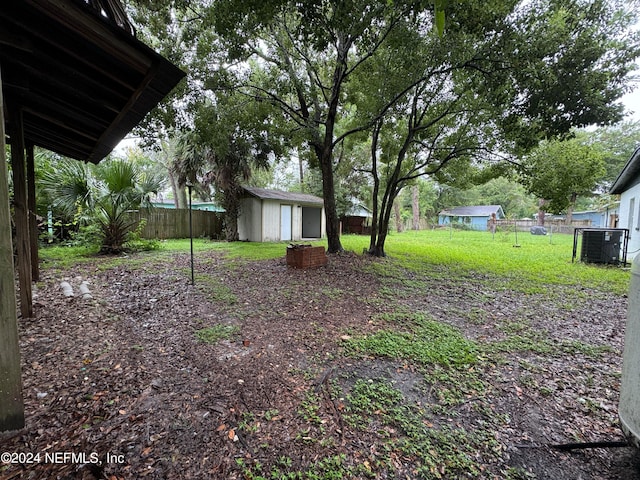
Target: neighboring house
<point>627,185</point>
<point>607,217</point>
<point>209,206</point>
<point>357,220</point>
<point>274,216</point>
<point>612,214</point>
<point>475,217</point>
<point>596,218</point>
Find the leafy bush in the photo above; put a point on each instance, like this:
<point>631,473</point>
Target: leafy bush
<point>88,235</point>
<point>135,242</point>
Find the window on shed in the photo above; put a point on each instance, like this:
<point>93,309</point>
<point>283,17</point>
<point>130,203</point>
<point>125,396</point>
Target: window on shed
<point>632,204</point>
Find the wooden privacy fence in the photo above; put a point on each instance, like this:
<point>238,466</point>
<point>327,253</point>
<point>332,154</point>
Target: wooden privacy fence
<point>162,223</point>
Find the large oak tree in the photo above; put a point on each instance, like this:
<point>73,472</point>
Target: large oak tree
<point>303,57</point>
<point>502,77</point>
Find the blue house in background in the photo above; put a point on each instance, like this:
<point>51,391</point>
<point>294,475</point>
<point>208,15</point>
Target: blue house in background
<point>473,217</point>
<point>597,218</point>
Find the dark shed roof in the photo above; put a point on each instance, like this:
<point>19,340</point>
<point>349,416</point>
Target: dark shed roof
<point>81,77</point>
<point>630,174</point>
<point>265,194</point>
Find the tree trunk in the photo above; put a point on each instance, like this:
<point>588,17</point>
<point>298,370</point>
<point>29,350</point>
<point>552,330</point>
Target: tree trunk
<point>378,248</point>
<point>415,206</point>
<point>374,216</point>
<point>330,211</point>
<point>572,203</point>
<point>396,211</point>
<point>301,171</point>
<point>376,188</point>
<point>392,189</point>
<point>324,150</point>
<point>541,217</point>
<point>231,203</point>
<point>11,404</point>
<point>569,216</point>
<point>541,203</point>
<point>182,197</point>
<point>385,217</point>
<point>231,228</point>
<point>174,188</point>
<point>325,157</point>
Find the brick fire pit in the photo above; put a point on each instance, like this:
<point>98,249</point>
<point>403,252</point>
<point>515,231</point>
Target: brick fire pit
<point>305,256</point>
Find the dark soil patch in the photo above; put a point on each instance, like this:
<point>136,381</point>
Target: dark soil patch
<point>124,374</point>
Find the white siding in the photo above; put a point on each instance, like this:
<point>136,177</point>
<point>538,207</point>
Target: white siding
<point>270,221</point>
<point>244,220</point>
<point>296,225</point>
<point>250,220</point>
<point>259,220</point>
<point>630,219</point>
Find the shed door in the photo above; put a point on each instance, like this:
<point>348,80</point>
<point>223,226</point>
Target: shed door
<point>311,222</point>
<point>285,223</point>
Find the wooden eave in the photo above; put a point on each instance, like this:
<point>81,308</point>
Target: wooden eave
<point>82,81</point>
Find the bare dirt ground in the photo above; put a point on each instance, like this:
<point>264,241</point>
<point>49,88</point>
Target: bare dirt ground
<point>124,379</point>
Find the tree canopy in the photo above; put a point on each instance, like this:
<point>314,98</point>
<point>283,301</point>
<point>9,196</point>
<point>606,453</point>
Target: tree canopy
<point>618,143</point>
<point>560,171</point>
<point>345,78</point>
<point>228,142</point>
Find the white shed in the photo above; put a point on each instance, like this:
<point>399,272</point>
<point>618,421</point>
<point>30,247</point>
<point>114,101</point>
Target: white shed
<point>627,185</point>
<point>275,216</point>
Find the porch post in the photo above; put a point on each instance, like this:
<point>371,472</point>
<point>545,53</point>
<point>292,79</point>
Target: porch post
<point>33,221</point>
<point>11,405</point>
<point>21,209</point>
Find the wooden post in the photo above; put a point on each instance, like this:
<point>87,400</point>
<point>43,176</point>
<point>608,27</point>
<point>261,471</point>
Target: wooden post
<point>33,221</point>
<point>11,405</point>
<point>21,210</point>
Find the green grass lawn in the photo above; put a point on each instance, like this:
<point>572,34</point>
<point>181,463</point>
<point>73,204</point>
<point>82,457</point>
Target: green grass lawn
<point>536,260</point>
<point>528,263</point>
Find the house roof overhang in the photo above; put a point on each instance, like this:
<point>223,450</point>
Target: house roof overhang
<point>629,175</point>
<point>79,75</point>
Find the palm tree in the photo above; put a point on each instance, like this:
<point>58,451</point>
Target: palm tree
<point>103,194</point>
<point>226,165</point>
<point>121,188</point>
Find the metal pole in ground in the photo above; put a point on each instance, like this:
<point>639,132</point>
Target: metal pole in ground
<point>191,232</point>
